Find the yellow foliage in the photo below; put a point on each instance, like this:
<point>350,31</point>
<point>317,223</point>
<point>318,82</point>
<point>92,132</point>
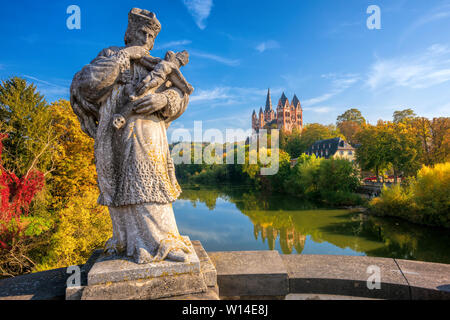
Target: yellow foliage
<point>81,224</point>
<point>425,200</point>
<point>83,227</point>
<point>73,166</point>
<point>434,182</point>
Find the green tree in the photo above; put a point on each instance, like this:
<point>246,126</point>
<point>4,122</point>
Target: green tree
<point>315,131</point>
<point>278,180</point>
<point>351,115</point>
<point>403,115</point>
<point>304,176</point>
<point>337,175</point>
<point>293,143</point>
<point>26,118</point>
<point>401,148</point>
<point>370,154</point>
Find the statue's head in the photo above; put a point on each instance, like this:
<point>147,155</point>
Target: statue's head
<point>143,27</point>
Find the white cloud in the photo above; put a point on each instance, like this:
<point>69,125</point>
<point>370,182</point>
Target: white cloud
<point>435,14</point>
<point>266,45</point>
<point>200,10</point>
<point>235,93</point>
<point>338,85</point>
<point>231,95</point>
<point>319,109</point>
<point>215,94</point>
<point>209,56</point>
<point>49,90</point>
<point>172,44</point>
<point>415,71</point>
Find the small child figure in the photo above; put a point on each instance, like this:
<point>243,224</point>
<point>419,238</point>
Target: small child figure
<point>166,70</point>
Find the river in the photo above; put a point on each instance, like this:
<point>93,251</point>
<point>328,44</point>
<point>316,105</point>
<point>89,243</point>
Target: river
<point>235,219</point>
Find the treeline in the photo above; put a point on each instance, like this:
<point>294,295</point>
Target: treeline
<point>49,216</point>
<point>331,181</point>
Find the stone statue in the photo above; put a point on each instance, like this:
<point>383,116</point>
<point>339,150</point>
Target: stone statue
<point>126,99</point>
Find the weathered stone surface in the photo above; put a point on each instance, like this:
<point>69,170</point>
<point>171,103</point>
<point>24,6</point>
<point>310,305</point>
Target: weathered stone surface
<point>147,289</point>
<point>312,296</point>
<point>428,281</point>
<point>250,273</point>
<point>47,285</point>
<point>344,276</point>
<point>74,293</point>
<point>206,265</point>
<point>212,293</point>
<point>109,269</point>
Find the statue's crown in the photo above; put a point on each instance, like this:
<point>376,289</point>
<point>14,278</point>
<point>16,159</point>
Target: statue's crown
<point>144,17</point>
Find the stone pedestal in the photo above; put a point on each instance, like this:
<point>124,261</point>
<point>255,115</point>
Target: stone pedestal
<point>119,278</point>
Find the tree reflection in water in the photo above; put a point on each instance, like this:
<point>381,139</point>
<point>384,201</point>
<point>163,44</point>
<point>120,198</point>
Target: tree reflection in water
<point>294,222</point>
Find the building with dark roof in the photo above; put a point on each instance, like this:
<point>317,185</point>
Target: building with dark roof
<point>332,148</point>
<point>287,116</point>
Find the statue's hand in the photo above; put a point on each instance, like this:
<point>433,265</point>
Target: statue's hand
<point>149,62</point>
<point>150,103</point>
<point>136,52</point>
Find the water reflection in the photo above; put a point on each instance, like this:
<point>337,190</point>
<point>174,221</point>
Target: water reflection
<point>235,219</point>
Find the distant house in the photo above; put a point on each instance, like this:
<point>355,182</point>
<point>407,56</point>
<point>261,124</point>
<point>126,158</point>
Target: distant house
<point>332,148</point>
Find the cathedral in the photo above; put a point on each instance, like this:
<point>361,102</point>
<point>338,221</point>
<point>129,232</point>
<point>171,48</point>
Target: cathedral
<point>287,117</point>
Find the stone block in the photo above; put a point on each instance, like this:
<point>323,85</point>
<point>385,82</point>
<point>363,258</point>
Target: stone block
<point>428,281</point>
<point>74,293</point>
<point>212,293</point>
<point>147,289</point>
<point>250,273</point>
<point>116,278</point>
<point>110,269</point>
<point>206,265</point>
<point>46,285</point>
<point>344,276</point>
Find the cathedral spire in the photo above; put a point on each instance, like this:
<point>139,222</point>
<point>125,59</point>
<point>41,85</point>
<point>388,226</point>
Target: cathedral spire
<point>295,101</point>
<point>268,101</point>
<point>283,100</point>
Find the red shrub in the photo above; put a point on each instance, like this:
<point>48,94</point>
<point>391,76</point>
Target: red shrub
<point>16,195</point>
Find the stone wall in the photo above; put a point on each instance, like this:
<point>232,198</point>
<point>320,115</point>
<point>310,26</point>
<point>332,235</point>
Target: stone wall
<point>269,275</point>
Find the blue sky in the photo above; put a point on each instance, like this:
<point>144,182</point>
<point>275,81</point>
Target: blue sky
<point>320,50</point>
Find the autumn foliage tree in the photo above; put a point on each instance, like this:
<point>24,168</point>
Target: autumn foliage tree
<point>27,137</point>
<point>434,138</point>
<point>16,195</point>
<point>349,124</point>
<point>45,142</point>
